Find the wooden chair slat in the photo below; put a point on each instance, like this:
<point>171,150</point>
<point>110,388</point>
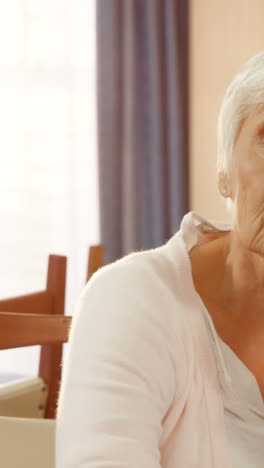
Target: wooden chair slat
<point>37,303</point>
<point>51,354</point>
<point>95,260</point>
<point>17,330</point>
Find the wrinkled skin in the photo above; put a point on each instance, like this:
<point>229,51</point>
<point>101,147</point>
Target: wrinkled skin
<point>247,182</point>
<point>228,269</point>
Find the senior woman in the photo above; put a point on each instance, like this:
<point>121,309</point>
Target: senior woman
<point>166,360</point>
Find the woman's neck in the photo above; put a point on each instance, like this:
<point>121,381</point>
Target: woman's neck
<point>243,276</point>
<point>227,273</point>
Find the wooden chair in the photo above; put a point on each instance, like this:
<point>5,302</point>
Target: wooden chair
<point>95,260</point>
<point>38,319</point>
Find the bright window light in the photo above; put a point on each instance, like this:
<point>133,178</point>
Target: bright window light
<point>48,148</point>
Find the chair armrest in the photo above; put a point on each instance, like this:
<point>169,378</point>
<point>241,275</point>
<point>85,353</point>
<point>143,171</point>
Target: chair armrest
<point>27,443</point>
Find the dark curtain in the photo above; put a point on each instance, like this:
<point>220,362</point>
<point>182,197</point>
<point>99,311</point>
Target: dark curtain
<point>142,72</point>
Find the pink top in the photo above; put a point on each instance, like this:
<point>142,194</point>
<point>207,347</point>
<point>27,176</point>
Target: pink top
<point>142,387</point>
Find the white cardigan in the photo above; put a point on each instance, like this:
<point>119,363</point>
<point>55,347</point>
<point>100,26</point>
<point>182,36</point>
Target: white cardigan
<point>141,386</point>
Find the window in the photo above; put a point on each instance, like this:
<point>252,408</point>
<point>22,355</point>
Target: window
<point>48,175</point>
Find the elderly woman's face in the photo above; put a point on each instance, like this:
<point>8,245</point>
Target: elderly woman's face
<point>247,181</point>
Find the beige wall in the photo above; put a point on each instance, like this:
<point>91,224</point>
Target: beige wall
<point>223,34</point>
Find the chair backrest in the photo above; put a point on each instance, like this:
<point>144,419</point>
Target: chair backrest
<point>38,319</point>
<point>95,260</point>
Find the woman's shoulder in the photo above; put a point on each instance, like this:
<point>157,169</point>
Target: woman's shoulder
<point>143,287</point>
<point>145,273</point>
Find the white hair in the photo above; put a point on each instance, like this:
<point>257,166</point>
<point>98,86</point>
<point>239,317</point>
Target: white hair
<point>245,90</point>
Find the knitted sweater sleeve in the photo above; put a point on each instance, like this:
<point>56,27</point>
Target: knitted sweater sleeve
<point>119,377</point>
